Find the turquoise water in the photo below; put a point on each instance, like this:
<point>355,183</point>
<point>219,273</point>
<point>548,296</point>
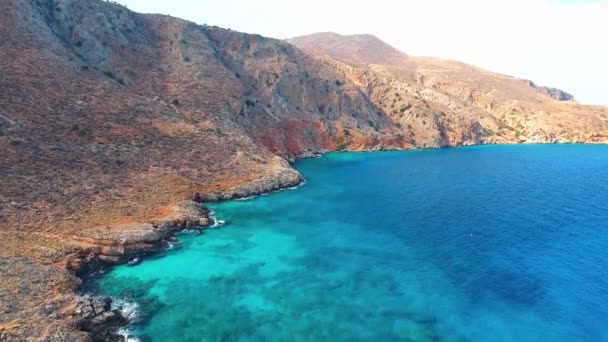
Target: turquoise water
<point>494,243</point>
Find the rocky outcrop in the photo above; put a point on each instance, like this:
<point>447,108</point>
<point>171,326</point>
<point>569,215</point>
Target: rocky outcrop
<point>553,93</point>
<point>118,244</point>
<point>284,178</point>
<point>97,316</point>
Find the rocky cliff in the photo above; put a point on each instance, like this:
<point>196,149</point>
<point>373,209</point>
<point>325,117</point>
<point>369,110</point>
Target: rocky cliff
<point>115,126</point>
<point>515,110</point>
<point>554,93</point>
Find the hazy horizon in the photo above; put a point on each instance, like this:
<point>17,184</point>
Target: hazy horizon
<point>555,43</point>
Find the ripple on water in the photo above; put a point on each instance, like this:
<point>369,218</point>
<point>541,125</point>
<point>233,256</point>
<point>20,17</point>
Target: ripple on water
<point>495,243</point>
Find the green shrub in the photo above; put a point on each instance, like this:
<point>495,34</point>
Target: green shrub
<point>175,102</point>
<point>75,127</point>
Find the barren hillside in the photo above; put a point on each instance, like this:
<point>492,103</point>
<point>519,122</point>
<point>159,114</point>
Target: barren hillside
<point>114,126</point>
<point>530,112</point>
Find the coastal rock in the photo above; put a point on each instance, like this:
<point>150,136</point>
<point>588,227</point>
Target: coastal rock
<point>80,264</point>
<point>284,177</point>
<point>118,244</point>
<point>554,93</point>
<point>96,316</point>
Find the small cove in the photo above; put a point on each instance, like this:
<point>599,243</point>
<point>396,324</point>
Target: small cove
<point>485,243</point>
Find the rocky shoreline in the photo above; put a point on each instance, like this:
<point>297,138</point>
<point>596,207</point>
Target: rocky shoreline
<point>102,320</point>
<point>98,248</point>
<point>110,119</point>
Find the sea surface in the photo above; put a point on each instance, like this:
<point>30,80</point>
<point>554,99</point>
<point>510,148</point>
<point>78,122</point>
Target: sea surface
<point>489,243</point>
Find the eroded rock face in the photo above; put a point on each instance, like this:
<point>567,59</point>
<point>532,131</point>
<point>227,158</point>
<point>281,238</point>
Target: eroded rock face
<point>118,244</point>
<point>93,315</point>
<point>448,103</point>
<point>553,93</point>
<point>97,316</point>
<point>285,177</point>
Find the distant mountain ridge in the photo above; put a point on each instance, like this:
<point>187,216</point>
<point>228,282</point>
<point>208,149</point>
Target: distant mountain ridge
<point>554,93</point>
<point>367,49</point>
<point>359,49</point>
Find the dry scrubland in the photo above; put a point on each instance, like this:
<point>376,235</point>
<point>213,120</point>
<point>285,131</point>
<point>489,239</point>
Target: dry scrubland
<point>111,121</point>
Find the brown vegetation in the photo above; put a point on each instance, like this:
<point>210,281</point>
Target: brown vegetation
<point>110,120</point>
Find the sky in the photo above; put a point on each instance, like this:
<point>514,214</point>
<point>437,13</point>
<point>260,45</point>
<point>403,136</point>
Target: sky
<point>557,43</point>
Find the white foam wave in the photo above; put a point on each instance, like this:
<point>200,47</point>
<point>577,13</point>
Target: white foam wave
<point>246,198</point>
<point>216,221</point>
<point>189,231</point>
<point>302,183</point>
<point>172,244</point>
<point>127,335</point>
<point>128,309</point>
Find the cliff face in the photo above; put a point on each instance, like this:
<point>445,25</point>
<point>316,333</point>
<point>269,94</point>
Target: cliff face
<point>110,119</point>
<point>507,109</point>
<point>115,113</point>
<point>553,93</point>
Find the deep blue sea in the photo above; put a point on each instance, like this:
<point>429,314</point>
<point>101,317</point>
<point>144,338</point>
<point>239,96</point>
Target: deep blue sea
<point>489,243</point>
